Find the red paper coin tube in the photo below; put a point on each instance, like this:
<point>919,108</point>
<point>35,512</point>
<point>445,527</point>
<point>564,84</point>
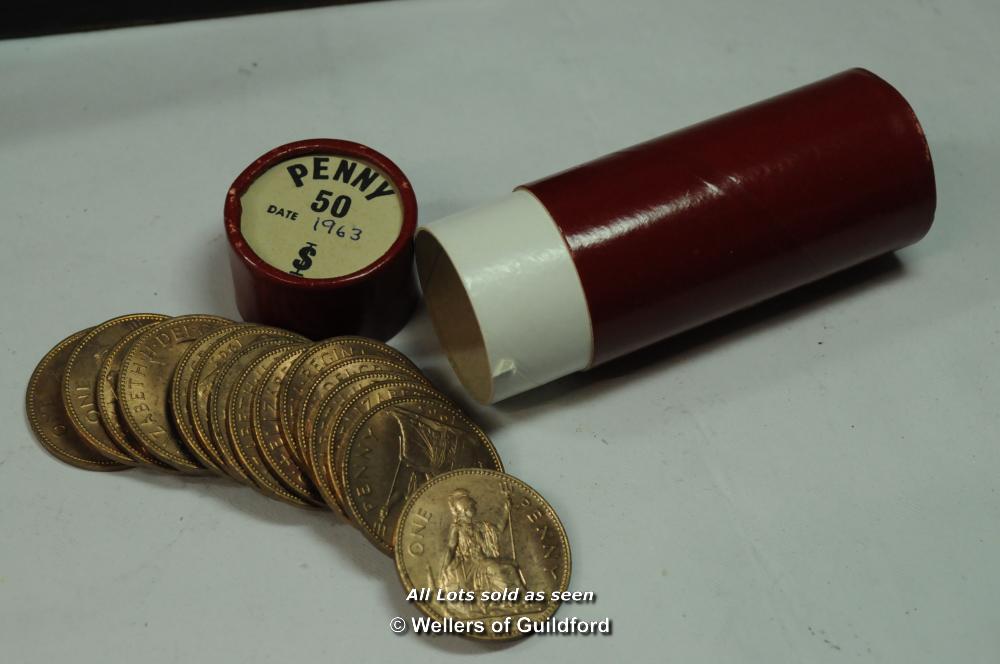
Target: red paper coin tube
<point>605,258</point>
<point>321,239</point>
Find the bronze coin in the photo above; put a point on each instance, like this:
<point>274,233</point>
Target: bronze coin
<point>110,410</point>
<point>357,399</point>
<point>398,446</point>
<point>80,382</point>
<point>181,386</point>
<point>331,379</point>
<point>308,367</point>
<point>206,372</point>
<point>144,385</point>
<point>219,400</point>
<point>47,412</point>
<point>240,418</point>
<point>267,431</point>
<point>495,538</point>
<point>322,430</point>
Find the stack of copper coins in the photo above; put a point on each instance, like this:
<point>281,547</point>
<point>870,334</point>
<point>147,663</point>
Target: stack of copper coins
<point>348,424</point>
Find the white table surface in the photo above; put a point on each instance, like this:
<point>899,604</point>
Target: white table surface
<point>812,482</point>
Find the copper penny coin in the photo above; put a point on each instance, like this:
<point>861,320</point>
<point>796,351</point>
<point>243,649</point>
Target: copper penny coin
<point>333,379</point>
<point>47,412</point>
<point>219,400</point>
<point>80,382</point>
<point>109,408</point>
<point>206,372</point>
<point>271,442</point>
<point>240,418</point>
<point>323,430</point>
<point>144,385</point>
<point>353,402</point>
<point>309,365</point>
<point>397,447</point>
<point>495,538</point>
<point>181,386</point>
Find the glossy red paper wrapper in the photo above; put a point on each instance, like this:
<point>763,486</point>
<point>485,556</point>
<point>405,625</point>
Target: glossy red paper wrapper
<point>375,301</point>
<point>699,223</point>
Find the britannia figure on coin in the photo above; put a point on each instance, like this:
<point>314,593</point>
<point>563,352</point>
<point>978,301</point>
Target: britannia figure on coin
<point>473,559</point>
<point>427,448</point>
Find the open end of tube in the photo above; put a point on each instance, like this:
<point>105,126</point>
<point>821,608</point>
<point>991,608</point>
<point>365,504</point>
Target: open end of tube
<point>453,317</point>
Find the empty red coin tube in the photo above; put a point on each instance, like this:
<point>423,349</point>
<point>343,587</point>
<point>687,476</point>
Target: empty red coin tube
<point>602,259</point>
<point>321,238</point>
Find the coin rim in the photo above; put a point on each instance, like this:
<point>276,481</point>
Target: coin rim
<point>301,422</point>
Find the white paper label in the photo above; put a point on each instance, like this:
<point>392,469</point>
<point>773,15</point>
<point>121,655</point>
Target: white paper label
<point>321,216</point>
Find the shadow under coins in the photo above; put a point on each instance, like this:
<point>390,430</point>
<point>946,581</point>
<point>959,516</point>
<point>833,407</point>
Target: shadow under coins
<point>774,312</point>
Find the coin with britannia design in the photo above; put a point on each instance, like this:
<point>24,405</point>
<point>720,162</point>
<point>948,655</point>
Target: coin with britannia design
<point>494,537</point>
<point>322,432</point>
<point>348,423</point>
<point>332,377</point>
<point>398,446</point>
<point>311,363</point>
<point>342,379</point>
<point>345,409</point>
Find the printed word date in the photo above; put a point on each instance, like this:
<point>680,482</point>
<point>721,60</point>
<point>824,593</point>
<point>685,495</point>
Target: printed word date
<point>278,211</point>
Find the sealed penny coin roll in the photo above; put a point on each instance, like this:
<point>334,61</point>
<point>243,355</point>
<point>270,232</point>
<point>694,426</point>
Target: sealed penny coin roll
<point>321,233</point>
<point>602,259</point>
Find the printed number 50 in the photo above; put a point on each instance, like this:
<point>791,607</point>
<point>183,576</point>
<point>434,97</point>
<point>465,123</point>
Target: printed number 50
<point>339,206</point>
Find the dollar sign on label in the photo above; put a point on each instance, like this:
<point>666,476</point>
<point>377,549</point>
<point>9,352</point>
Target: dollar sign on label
<point>304,261</point>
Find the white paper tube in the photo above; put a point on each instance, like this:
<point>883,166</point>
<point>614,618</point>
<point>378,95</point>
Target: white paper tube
<point>504,296</point>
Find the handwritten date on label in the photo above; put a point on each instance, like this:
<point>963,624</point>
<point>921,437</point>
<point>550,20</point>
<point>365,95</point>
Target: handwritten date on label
<point>340,230</point>
<point>331,226</point>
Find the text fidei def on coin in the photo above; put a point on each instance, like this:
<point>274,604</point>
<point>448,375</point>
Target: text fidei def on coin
<point>505,595</point>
